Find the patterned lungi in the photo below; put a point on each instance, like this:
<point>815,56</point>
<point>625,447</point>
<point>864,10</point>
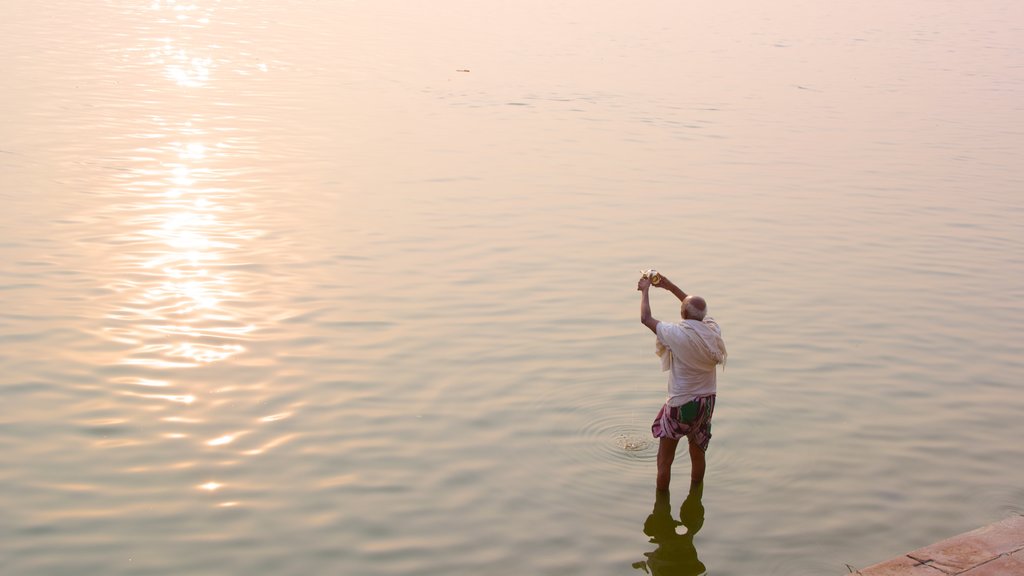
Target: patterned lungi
<point>692,420</point>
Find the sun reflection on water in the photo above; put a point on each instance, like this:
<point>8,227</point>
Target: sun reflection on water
<point>183,228</point>
<point>181,295</point>
<point>185,267</point>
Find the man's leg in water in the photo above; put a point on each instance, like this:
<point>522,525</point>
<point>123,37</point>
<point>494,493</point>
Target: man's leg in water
<point>697,463</point>
<point>666,454</point>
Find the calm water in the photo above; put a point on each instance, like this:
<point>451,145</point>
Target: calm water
<point>349,287</point>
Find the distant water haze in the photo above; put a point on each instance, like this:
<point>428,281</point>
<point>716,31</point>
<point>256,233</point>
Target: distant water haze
<point>349,287</point>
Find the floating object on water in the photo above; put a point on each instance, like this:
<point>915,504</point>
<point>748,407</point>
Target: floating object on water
<point>632,443</point>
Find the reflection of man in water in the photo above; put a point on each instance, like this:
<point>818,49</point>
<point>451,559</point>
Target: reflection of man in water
<point>675,554</point>
<point>690,352</point>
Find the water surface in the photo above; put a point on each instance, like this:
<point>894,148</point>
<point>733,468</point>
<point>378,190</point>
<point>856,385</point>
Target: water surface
<point>349,287</point>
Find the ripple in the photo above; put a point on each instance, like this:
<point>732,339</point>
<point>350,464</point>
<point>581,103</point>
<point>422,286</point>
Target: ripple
<point>608,438</point>
<point>1006,500</point>
<point>105,430</point>
<point>633,442</point>
<point>617,439</point>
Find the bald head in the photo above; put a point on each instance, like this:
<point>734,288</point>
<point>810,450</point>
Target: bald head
<point>694,308</point>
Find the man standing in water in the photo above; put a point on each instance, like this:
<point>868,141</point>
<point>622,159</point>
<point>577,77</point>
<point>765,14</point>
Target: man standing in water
<point>690,352</point>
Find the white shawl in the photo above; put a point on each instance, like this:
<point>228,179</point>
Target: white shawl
<point>706,334</point>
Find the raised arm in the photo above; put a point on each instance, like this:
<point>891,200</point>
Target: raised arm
<point>644,286</point>
<point>671,287</point>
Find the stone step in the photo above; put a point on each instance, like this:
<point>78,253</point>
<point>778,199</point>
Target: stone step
<point>993,550</point>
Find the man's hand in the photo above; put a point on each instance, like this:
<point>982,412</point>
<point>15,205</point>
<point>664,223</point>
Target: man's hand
<point>644,286</point>
<point>671,287</point>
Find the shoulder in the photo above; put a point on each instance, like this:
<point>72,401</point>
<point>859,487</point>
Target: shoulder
<point>670,331</point>
<point>710,322</point>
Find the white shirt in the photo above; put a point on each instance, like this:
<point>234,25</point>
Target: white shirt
<point>694,349</point>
